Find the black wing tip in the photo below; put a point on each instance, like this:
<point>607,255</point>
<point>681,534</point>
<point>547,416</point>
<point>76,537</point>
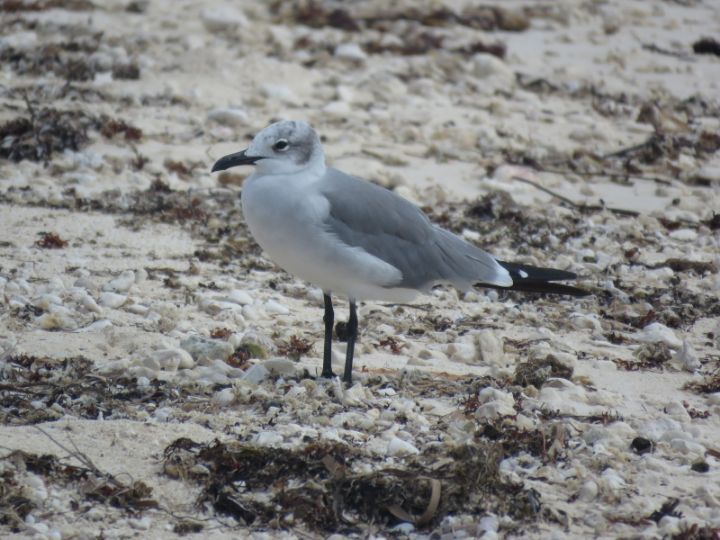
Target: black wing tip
<point>527,273</point>
<point>535,279</point>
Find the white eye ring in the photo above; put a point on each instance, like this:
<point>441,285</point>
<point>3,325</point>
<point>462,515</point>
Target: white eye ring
<point>281,145</point>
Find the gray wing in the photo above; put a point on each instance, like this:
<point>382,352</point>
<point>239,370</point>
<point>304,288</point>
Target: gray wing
<point>394,230</point>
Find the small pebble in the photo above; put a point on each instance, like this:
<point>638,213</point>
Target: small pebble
<point>173,359</point>
<point>403,528</point>
<point>279,92</point>
<point>223,18</point>
<point>687,358</point>
<point>588,491</point>
<point>463,352</point>
<point>96,326</point>
<point>57,321</point>
<point>85,300</point>
<point>399,448</point>
<point>201,348</point>
<point>659,333</point>
<point>490,347</point>
<point>256,374</point>
<point>224,397</point>
<point>239,297</point>
<point>228,116</point>
<point>112,300</point>
<point>142,524</point>
<point>268,438</point>
<point>641,445</point>
<point>122,283</point>
<point>350,51</point>
<point>685,235</point>
<point>271,306</point>
<point>280,367</point>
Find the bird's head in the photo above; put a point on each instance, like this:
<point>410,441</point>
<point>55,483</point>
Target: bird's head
<point>285,147</point>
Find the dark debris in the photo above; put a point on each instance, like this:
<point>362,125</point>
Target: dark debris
<point>40,134</point>
<point>295,348</point>
<point>536,372</point>
<point>110,127</point>
<point>696,531</point>
<point>392,344</point>
<point>317,14</point>
<point>221,333</point>
<point>667,509</point>
<point>14,6</point>
<point>51,240</point>
<point>709,385</point>
<point>502,221</point>
<point>69,60</point>
<point>707,45</point>
<point>641,445</point>
<point>89,484</point>
<point>333,498</point>
<point>69,386</point>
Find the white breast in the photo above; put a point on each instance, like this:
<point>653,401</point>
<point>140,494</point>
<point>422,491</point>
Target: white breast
<point>286,217</point>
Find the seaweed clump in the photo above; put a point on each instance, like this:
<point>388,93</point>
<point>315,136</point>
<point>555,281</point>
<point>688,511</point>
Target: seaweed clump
<point>318,486</point>
<point>37,136</point>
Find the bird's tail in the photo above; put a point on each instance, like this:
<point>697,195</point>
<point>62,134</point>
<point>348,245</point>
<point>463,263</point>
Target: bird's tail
<point>535,279</point>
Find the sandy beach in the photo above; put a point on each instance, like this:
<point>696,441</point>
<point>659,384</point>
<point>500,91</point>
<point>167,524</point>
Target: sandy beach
<point>159,374</point>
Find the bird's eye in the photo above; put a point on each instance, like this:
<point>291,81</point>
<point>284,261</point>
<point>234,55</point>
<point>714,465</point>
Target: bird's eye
<point>281,145</point>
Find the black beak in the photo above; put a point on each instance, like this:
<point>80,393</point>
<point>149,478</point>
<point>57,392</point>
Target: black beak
<point>233,160</point>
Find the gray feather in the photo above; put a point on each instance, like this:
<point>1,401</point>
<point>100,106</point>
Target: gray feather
<point>392,229</point>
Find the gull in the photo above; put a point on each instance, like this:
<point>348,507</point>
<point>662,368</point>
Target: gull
<point>353,238</point>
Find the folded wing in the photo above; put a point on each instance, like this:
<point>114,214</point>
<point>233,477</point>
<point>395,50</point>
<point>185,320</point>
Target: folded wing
<point>392,229</point>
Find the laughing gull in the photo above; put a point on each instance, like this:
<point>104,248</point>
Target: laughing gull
<point>356,239</point>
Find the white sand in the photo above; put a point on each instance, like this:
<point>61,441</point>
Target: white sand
<point>432,126</point>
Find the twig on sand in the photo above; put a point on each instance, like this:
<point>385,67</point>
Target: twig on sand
<point>660,50</point>
<point>75,452</point>
<point>629,149</point>
<point>626,175</point>
<point>579,206</point>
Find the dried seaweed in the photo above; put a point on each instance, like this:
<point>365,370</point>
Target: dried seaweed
<point>90,484</point>
<point>39,389</point>
<point>317,14</point>
<point>50,240</point>
<point>44,132</point>
<point>327,496</point>
<point>40,134</point>
<point>109,127</point>
<point>694,531</point>
<point>69,60</point>
<point>220,333</point>
<point>501,221</point>
<point>535,372</point>
<point>294,348</point>
<point>420,43</point>
<point>392,344</point>
<point>649,356</point>
<point>13,6</point>
<point>667,509</point>
<point>547,443</point>
<point>15,504</point>
<point>709,385</point>
<point>127,72</point>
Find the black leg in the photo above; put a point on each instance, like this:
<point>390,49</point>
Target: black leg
<point>329,319</point>
<point>352,326</point>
